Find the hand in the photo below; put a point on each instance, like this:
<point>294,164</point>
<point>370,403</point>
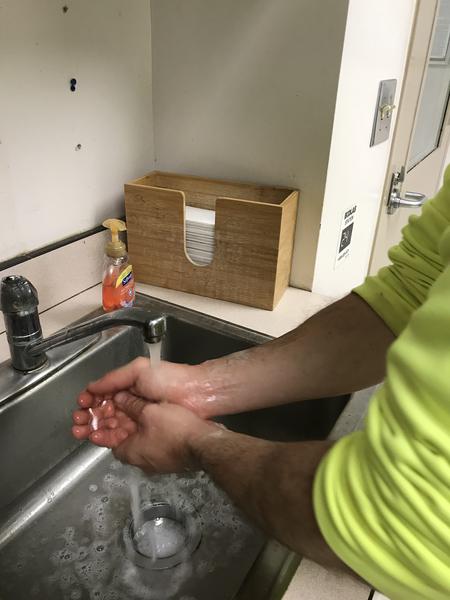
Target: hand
<point>169,382</point>
<point>158,438</point>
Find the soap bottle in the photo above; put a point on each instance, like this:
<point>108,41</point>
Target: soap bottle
<point>118,279</point>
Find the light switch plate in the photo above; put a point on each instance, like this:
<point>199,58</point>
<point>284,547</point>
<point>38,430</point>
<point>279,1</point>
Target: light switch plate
<point>383,111</point>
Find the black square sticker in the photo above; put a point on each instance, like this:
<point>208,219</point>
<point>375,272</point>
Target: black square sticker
<point>346,237</point>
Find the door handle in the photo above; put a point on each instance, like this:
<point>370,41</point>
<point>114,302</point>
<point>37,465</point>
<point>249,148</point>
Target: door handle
<point>411,200</point>
<point>395,201</point>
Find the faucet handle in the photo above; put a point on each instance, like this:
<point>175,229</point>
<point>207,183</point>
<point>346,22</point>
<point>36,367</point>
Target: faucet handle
<point>19,302</point>
<point>17,294</point>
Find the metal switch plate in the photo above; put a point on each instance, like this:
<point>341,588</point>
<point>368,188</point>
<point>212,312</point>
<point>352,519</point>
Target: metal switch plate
<point>383,111</point>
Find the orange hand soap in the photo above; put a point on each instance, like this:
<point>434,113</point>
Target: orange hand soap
<point>118,279</point>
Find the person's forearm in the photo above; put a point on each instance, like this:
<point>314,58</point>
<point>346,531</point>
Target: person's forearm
<point>272,484</point>
<point>339,350</point>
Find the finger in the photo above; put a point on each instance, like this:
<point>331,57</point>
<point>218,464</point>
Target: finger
<point>94,416</point>
<point>88,400</point>
<point>119,379</point>
<point>81,432</point>
<point>107,409</point>
<point>109,438</point>
<point>81,417</point>
<point>85,399</point>
<point>112,423</point>
<point>130,404</point>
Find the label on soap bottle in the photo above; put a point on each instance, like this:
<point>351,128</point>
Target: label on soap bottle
<point>125,277</point>
<point>125,287</point>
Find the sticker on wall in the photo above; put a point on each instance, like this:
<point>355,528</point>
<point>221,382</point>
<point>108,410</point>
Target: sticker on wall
<point>345,235</point>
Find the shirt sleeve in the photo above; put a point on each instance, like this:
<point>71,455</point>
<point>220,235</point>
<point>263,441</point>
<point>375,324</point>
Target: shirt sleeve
<point>399,289</point>
<point>382,495</point>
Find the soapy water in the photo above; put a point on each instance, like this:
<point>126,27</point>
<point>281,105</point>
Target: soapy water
<point>88,555</point>
<point>97,565</point>
<point>160,538</point>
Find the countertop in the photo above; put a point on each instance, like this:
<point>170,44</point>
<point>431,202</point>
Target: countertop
<point>311,582</point>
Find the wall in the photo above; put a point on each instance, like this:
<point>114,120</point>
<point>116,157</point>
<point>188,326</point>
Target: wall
<point>46,272</point>
<point>375,46</point>
<point>245,89</point>
<point>48,189</point>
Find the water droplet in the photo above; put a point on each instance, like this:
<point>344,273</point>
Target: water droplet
<point>105,499</point>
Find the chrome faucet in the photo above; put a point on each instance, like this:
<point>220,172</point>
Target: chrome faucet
<point>19,302</point>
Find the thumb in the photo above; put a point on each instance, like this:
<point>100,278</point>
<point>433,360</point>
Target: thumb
<point>130,404</point>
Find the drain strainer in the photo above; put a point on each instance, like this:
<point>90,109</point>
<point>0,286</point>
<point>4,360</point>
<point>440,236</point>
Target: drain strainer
<point>163,538</point>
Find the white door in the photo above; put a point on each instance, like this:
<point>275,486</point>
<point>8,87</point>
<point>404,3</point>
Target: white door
<point>422,131</point>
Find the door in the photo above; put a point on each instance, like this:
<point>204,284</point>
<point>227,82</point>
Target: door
<point>422,131</point>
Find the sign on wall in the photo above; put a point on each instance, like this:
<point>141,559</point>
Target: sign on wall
<point>345,235</point>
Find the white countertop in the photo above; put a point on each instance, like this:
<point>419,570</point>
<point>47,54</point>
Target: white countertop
<point>294,307</point>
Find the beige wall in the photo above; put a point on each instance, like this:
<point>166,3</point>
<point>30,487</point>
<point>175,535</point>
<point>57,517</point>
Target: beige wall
<point>48,190</point>
<point>246,89</point>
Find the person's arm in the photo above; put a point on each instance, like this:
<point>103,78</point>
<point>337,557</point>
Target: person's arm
<point>337,351</point>
<point>272,484</point>
<point>343,348</point>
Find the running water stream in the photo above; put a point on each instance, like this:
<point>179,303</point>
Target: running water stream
<point>160,537</point>
<point>145,534</point>
<point>155,354</point>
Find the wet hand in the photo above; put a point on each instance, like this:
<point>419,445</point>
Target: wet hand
<point>157,438</point>
<point>169,382</point>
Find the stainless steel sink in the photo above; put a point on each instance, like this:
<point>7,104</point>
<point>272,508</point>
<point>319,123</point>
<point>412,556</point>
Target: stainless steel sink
<point>65,523</point>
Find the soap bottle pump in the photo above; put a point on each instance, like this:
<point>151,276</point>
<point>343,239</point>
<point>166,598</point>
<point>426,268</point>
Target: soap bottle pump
<point>118,279</point>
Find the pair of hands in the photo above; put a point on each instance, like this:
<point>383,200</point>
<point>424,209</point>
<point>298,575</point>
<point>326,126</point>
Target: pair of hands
<point>150,418</point>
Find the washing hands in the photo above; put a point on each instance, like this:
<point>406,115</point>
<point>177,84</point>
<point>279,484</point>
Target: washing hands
<point>146,416</point>
<point>158,418</point>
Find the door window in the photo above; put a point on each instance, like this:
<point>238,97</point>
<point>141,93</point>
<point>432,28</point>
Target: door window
<point>435,95</point>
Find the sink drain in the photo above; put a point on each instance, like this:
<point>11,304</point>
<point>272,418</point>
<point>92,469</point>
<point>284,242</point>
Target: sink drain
<point>164,538</point>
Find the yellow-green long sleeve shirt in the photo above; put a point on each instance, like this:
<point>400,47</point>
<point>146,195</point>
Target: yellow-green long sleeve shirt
<point>382,495</point>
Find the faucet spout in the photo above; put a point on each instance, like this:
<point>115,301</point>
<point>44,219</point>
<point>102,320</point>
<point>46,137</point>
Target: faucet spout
<point>153,328</point>
<point>19,301</point>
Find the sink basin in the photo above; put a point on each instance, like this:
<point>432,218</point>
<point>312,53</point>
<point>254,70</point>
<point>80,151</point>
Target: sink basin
<point>66,529</point>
